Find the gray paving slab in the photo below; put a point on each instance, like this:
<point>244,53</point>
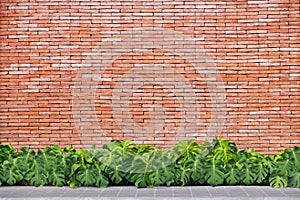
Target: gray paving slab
<point>291,192</point>
<point>182,192</point>
<point>254,191</point>
<point>164,192</point>
<point>156,193</point>
<point>146,192</point>
<point>236,191</point>
<point>200,191</point>
<point>128,192</point>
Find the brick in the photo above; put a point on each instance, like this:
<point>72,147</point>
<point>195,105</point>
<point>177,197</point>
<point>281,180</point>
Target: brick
<point>253,44</point>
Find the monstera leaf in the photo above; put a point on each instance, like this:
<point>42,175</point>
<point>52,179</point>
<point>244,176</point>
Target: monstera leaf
<point>214,171</point>
<point>296,157</point>
<point>260,165</point>
<point>102,180</point>
<point>58,163</point>
<point>152,168</point>
<point>248,166</point>
<point>25,159</point>
<point>164,170</point>
<point>284,162</point>
<point>116,158</point>
<point>197,172</point>
<point>183,175</point>
<point>86,176</point>
<point>6,151</point>
<point>286,170</point>
<point>36,177</point>
<point>33,166</point>
<point>294,180</point>
<point>278,181</point>
<point>57,178</point>
<point>233,175</point>
<point>225,150</point>
<point>9,172</point>
<point>52,160</point>
<point>262,172</point>
<point>112,164</point>
<point>36,174</point>
<point>86,169</point>
<point>288,164</point>
<point>188,155</point>
<point>142,167</point>
<point>186,149</point>
<point>294,176</point>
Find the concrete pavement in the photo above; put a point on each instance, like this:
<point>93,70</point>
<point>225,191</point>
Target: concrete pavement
<point>156,193</point>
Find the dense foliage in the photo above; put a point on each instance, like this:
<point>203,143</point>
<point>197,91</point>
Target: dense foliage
<point>125,163</point>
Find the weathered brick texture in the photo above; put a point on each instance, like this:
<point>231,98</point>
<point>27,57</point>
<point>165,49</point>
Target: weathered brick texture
<point>255,46</point>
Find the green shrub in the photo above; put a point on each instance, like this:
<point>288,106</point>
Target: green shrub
<point>125,163</point>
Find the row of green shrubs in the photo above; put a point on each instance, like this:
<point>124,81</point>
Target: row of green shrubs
<point>125,163</point>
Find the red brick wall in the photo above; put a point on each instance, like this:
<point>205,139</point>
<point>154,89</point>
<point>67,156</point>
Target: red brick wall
<point>253,46</point>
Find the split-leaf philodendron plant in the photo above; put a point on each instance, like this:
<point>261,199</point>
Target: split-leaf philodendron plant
<point>125,163</point>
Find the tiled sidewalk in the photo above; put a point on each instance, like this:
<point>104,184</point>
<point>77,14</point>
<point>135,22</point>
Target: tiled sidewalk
<point>159,193</point>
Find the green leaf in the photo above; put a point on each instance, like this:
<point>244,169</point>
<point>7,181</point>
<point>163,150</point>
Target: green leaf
<point>57,178</point>
<point>141,168</point>
<point>296,157</point>
<point>10,173</point>
<point>262,172</point>
<point>111,160</point>
<point>248,176</point>
<point>184,178</point>
<point>294,180</point>
<point>25,159</point>
<point>196,171</point>
<point>270,162</point>
<point>152,168</point>
<point>214,171</point>
<point>184,150</point>
<point>115,160</point>
<point>225,150</point>
<point>101,179</point>
<point>6,151</point>
<point>233,175</point>
<point>249,166</point>
<point>187,154</point>
<point>278,181</point>
<point>86,176</point>
<point>284,162</point>
<point>37,179</point>
<point>36,175</point>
